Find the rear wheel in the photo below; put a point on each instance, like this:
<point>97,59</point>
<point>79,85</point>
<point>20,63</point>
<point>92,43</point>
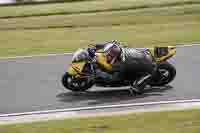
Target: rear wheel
<point>166,74</point>
<point>74,84</point>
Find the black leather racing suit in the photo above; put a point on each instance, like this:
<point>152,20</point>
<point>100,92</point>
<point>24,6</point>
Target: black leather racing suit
<point>132,64</point>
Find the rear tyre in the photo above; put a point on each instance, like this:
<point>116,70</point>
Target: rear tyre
<point>75,85</point>
<point>166,74</point>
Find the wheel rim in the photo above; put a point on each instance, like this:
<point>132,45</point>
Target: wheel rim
<point>164,75</point>
<point>77,84</point>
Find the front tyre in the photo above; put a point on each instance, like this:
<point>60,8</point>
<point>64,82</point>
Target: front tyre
<point>75,85</point>
<point>166,74</point>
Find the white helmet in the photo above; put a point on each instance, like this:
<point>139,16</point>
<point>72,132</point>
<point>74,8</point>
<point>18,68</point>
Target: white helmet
<point>112,50</point>
<point>111,45</point>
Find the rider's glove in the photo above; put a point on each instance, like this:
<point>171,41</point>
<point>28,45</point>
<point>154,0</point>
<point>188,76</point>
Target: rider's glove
<point>94,60</point>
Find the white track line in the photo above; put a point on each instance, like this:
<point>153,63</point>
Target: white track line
<point>99,113</point>
<point>33,56</point>
<point>99,107</point>
<point>61,54</point>
<point>187,45</point>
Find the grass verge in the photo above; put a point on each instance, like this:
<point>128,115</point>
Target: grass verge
<point>136,28</point>
<point>86,7</point>
<point>31,42</point>
<point>176,14</point>
<point>24,3</point>
<point>187,121</point>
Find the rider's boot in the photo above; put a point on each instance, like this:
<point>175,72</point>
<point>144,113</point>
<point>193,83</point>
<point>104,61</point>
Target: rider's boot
<point>142,82</point>
<point>134,91</point>
<point>139,85</point>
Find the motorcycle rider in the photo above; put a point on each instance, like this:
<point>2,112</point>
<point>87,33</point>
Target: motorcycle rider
<point>127,62</point>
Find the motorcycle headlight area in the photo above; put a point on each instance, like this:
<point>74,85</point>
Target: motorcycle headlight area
<point>80,55</point>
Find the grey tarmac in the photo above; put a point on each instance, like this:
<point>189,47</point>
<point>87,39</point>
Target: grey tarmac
<point>33,84</point>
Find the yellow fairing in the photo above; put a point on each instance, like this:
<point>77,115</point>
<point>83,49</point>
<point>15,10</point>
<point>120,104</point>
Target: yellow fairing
<point>172,52</point>
<point>76,68</point>
<point>101,60</point>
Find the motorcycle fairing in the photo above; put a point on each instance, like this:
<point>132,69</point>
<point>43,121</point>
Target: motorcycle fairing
<point>171,51</point>
<point>76,68</point>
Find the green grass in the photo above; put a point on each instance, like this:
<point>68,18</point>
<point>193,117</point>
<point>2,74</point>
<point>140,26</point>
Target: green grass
<point>136,28</point>
<point>67,40</point>
<point>160,122</point>
<point>176,14</point>
<point>86,6</point>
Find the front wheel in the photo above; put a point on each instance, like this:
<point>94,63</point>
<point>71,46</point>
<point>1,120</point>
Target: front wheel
<point>166,74</point>
<point>74,84</point>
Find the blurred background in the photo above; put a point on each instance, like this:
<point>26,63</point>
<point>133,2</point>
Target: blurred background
<point>20,1</point>
<point>7,1</point>
<point>14,1</point>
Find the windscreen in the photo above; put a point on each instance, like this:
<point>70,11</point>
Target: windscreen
<point>80,55</point>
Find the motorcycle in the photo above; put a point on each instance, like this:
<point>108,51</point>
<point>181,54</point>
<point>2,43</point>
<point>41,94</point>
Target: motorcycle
<point>82,73</point>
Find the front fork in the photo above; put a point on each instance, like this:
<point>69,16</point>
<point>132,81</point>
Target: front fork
<point>92,76</point>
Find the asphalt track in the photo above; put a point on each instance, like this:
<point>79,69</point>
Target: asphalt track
<point>33,84</point>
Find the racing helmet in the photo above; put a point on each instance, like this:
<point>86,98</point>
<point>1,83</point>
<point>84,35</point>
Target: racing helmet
<point>112,49</point>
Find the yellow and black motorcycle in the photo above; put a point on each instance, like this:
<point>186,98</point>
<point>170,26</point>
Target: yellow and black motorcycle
<point>82,73</point>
